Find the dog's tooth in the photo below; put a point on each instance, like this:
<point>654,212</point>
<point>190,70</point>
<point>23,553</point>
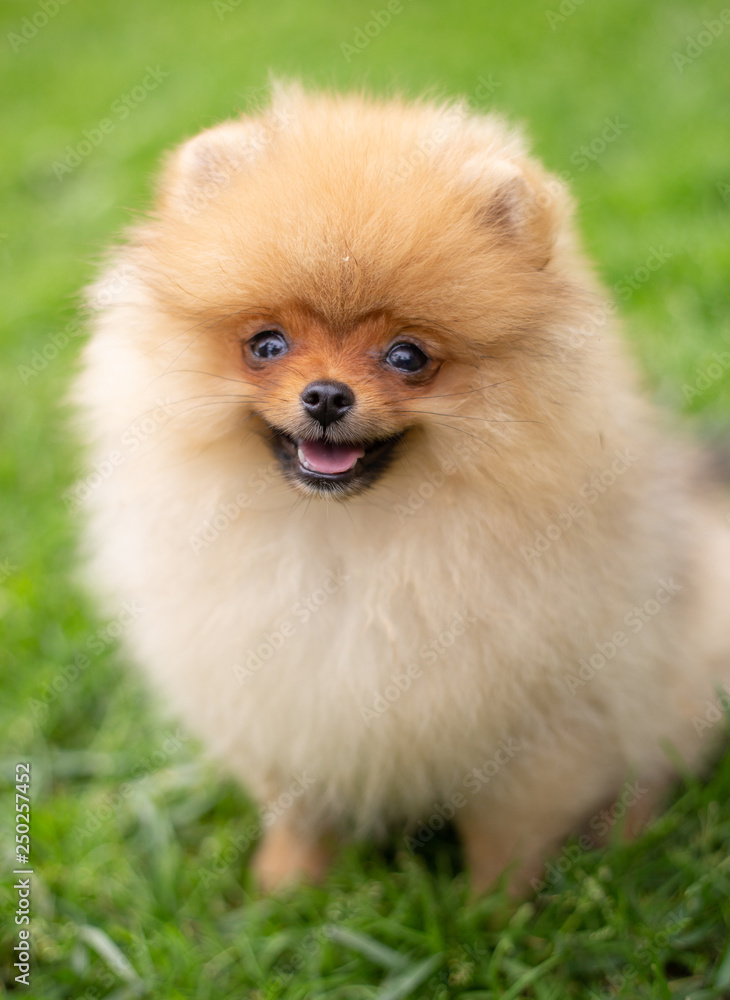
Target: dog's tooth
<point>302,459</point>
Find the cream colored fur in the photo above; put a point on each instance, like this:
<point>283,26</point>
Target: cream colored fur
<point>437,214</point>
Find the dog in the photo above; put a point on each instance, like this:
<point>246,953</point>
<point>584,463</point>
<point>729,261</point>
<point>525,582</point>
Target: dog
<point>368,452</point>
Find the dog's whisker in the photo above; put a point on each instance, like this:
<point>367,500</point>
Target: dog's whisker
<point>461,430</point>
<point>212,402</point>
<point>195,371</point>
<point>465,392</point>
<point>466,416</point>
<point>213,395</point>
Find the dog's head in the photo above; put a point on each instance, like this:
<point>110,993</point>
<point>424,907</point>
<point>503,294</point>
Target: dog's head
<point>355,280</point>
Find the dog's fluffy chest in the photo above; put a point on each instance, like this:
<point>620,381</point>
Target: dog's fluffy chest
<point>321,646</point>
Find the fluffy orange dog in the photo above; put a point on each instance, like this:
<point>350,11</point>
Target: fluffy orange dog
<point>367,453</point>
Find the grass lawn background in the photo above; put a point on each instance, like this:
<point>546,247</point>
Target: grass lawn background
<point>139,849</point>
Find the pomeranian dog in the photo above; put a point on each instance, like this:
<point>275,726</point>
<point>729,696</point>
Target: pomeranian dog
<point>407,542</point>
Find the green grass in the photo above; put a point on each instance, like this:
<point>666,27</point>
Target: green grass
<point>139,887</point>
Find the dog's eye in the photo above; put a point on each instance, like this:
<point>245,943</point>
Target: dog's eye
<point>268,344</point>
<point>406,358</point>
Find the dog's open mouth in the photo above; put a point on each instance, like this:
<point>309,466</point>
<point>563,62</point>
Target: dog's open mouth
<point>322,466</point>
<point>328,459</point>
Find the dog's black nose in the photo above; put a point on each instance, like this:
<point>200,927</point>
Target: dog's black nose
<point>327,401</point>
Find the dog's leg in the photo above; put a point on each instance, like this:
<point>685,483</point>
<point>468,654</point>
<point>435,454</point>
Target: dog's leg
<point>490,848</point>
<point>286,856</point>
<point>630,810</point>
<point>494,839</point>
<point>520,825</point>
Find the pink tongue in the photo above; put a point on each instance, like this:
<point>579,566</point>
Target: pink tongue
<point>329,458</point>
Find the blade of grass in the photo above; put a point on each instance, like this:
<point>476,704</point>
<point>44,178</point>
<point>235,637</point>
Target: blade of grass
<point>529,977</point>
<point>105,948</point>
<point>405,984</point>
<point>368,947</point>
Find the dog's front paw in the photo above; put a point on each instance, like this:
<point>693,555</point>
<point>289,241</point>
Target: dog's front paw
<point>286,857</point>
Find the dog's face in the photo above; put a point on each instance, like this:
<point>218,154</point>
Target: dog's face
<point>336,404</point>
<point>347,295</point>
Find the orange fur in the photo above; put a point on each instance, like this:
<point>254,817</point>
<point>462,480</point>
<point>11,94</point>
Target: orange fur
<point>348,224</point>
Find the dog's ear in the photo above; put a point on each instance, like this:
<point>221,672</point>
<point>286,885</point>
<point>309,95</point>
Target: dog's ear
<point>203,167</point>
<point>525,207</point>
